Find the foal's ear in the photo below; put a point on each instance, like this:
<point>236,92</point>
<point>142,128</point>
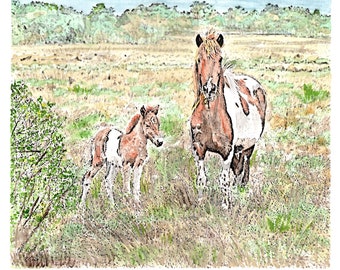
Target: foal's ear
<point>220,40</point>
<point>155,109</point>
<point>143,111</point>
<point>199,40</point>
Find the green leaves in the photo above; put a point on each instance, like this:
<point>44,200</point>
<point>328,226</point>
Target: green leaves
<point>310,95</point>
<point>40,175</point>
<point>281,223</point>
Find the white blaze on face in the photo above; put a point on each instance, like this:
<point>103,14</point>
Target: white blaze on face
<point>209,85</point>
<point>209,89</point>
<point>247,128</point>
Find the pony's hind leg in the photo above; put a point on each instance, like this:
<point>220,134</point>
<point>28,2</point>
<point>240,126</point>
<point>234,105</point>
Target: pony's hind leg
<point>87,180</point>
<point>246,165</point>
<point>111,174</point>
<point>240,166</point>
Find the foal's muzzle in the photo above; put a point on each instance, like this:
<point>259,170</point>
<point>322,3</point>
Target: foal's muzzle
<point>157,141</point>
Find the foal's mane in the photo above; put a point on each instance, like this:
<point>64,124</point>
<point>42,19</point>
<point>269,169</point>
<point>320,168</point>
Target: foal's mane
<point>133,122</point>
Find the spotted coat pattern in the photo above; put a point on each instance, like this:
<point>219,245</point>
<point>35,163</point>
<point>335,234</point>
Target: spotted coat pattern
<point>228,116</point>
<point>125,152</point>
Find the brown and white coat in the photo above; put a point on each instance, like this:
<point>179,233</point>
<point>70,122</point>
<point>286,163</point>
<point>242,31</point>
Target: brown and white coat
<point>125,152</point>
<point>228,117</point>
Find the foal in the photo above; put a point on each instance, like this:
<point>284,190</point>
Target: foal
<point>126,152</point>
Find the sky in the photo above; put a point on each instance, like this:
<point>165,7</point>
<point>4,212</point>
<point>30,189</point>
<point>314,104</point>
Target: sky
<point>220,5</point>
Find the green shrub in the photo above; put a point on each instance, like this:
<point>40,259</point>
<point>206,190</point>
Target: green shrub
<point>310,95</point>
<point>281,223</point>
<point>80,90</point>
<point>42,180</point>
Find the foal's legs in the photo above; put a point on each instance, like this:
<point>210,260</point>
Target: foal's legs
<point>87,180</point>
<point>126,173</point>
<point>111,173</point>
<point>137,173</point>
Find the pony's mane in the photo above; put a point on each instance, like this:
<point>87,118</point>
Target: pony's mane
<point>229,75</point>
<point>148,109</point>
<point>211,48</point>
<point>210,44</point>
<point>133,122</point>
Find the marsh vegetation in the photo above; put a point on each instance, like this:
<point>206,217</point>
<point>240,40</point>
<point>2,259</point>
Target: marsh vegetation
<point>281,219</point>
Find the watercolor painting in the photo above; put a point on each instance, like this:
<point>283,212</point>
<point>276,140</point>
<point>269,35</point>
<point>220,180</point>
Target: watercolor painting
<point>210,119</point>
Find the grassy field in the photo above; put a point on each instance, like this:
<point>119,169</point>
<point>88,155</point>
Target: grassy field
<point>281,219</point>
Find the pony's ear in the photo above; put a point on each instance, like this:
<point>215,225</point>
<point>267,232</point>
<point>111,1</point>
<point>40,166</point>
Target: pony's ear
<point>142,111</point>
<point>220,40</point>
<point>155,109</point>
<point>199,40</point>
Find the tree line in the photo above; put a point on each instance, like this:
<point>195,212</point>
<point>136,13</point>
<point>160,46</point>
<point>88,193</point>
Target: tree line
<point>44,23</point>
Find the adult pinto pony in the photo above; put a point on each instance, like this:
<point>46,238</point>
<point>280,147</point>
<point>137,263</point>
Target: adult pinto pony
<point>126,152</point>
<point>228,116</point>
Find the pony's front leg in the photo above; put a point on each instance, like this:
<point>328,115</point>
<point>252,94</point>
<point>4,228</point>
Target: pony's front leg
<point>126,173</point>
<point>199,154</point>
<point>201,182</point>
<point>137,173</point>
<point>111,173</point>
<point>226,182</point>
<point>201,178</point>
<point>87,180</point>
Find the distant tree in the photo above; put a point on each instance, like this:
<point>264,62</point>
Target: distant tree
<point>98,8</point>
<point>101,8</point>
<point>316,12</point>
<point>199,10</point>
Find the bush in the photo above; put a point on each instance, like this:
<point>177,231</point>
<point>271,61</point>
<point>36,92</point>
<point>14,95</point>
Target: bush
<point>42,180</point>
<point>310,95</point>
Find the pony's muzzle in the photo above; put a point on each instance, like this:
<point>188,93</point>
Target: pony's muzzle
<point>209,90</point>
<point>158,142</point>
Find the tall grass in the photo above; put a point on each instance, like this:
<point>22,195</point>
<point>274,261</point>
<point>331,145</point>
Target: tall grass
<point>280,219</point>
<point>284,222</point>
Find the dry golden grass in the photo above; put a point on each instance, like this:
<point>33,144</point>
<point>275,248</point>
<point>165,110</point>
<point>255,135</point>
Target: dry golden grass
<point>173,230</point>
<point>118,67</point>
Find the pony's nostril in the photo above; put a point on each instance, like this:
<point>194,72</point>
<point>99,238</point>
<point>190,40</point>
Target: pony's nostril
<point>160,142</point>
